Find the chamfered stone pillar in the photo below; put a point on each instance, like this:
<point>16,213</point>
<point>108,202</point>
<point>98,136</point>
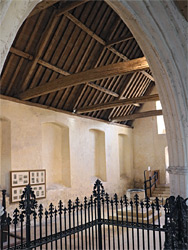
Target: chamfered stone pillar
<point>178,181</point>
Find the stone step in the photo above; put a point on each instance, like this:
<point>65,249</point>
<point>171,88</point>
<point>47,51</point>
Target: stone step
<point>163,186</point>
<point>155,193</point>
<point>129,219</point>
<point>161,200</point>
<point>160,197</point>
<point>134,218</point>
<point>154,197</point>
<point>129,213</point>
<point>162,189</point>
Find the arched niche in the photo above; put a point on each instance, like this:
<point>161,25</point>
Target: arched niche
<point>99,153</point>
<point>5,153</point>
<point>56,154</point>
<point>159,29</point>
<point>125,163</point>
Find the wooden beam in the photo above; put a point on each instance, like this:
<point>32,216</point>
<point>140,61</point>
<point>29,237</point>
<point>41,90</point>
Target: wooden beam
<point>137,116</point>
<point>60,71</point>
<point>41,6</point>
<point>125,58</point>
<point>52,67</point>
<point>85,28</point>
<point>41,46</point>
<point>70,6</point>
<point>65,73</point>
<point>41,62</point>
<point>102,42</point>
<point>94,36</point>
<point>128,101</point>
<point>148,75</point>
<point>102,89</point>
<point>86,76</point>
<point>21,53</point>
<point>119,40</point>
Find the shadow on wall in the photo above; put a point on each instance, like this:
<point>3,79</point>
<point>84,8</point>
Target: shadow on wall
<point>56,155</point>
<point>5,151</point>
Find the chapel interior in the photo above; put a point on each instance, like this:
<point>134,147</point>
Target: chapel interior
<point>79,100</point>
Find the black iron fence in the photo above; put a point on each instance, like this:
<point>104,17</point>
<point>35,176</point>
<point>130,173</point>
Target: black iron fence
<point>100,222</point>
<point>148,184</point>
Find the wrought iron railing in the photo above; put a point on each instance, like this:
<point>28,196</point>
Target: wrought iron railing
<point>100,222</point>
<point>152,181</point>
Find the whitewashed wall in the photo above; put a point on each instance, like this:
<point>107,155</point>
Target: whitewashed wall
<point>148,146</point>
<point>30,150</point>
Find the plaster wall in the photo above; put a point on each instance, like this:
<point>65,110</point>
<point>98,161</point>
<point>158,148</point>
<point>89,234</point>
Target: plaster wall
<point>56,154</point>
<point>29,139</point>
<point>125,157</point>
<point>148,146</point>
<point>99,154</point>
<point>159,28</point>
<point>5,150</point>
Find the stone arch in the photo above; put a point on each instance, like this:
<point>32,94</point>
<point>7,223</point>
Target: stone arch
<point>165,50</point>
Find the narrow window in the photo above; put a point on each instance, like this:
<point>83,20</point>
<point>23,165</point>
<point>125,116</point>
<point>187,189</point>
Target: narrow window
<point>160,120</point>
<point>167,164</point>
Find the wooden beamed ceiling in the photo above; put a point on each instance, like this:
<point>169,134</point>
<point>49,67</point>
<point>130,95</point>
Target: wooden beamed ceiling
<point>78,56</point>
<point>102,72</point>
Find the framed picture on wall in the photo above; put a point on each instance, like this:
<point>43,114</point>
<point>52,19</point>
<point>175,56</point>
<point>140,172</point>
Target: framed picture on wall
<point>19,178</point>
<point>39,191</point>
<point>37,177</point>
<point>16,194</point>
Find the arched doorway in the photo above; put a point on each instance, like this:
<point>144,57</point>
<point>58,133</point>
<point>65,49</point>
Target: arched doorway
<point>165,52</point>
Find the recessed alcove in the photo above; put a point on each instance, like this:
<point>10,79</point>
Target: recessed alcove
<point>99,153</point>
<point>124,156</point>
<point>5,152</point>
<point>56,154</point>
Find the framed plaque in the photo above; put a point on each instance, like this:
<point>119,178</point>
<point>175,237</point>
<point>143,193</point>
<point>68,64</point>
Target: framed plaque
<point>20,179</point>
<point>37,177</point>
